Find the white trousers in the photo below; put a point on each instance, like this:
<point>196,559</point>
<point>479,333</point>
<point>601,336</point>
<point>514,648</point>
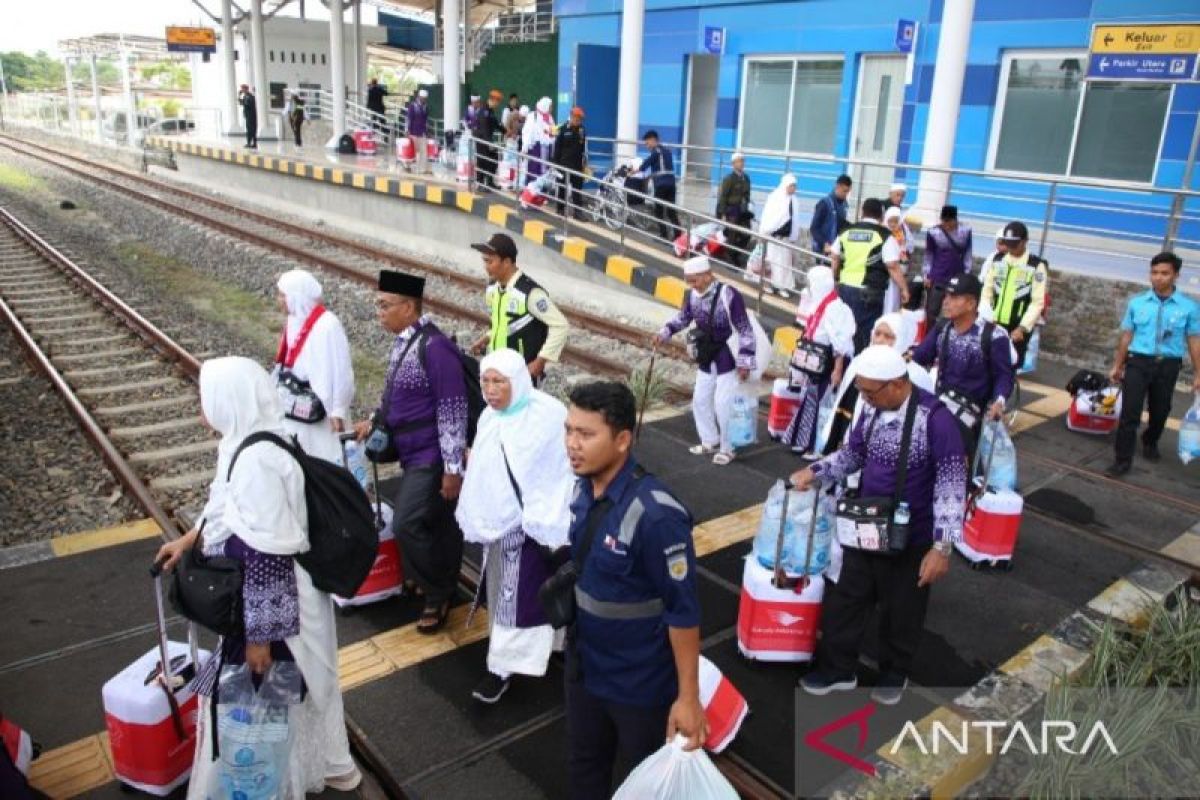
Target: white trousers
<point>419,145</point>
<point>712,400</point>
<point>779,261</point>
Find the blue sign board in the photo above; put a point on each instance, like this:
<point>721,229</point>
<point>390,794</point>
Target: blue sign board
<point>714,40</point>
<point>1132,66</point>
<point>906,34</point>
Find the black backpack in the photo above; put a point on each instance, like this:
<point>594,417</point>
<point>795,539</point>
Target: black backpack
<point>475,402</point>
<point>346,145</point>
<point>343,540</point>
<point>1086,381</point>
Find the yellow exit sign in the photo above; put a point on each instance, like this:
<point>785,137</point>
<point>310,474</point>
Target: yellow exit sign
<point>1149,39</point>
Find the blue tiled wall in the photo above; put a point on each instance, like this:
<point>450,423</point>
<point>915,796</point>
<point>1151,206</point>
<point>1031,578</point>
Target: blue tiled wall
<point>848,29</point>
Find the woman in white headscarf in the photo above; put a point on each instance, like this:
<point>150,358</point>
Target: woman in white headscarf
<point>257,514</point>
<point>781,222</point>
<point>314,350</point>
<point>515,498</point>
<point>893,220</point>
<point>898,331</point>
<point>827,323</point>
<point>537,139</point>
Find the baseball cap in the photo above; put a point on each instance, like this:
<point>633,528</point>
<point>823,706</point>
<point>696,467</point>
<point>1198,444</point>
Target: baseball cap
<point>500,244</point>
<point>1014,232</point>
<point>965,283</point>
<point>949,212</point>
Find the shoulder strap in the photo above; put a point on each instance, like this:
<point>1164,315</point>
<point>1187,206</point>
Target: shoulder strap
<point>391,376</point>
<point>985,346</point>
<point>718,287</point>
<point>288,355</point>
<point>255,438</point>
<point>905,444</point>
<point>512,478</point>
<point>942,331</point>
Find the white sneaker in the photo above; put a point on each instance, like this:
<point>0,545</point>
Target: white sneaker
<point>701,450</point>
<point>344,783</point>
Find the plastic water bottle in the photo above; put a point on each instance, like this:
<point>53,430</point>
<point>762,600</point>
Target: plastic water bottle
<point>1189,433</point>
<point>768,528</point>
<point>742,431</point>
<point>356,462</point>
<point>902,515</point>
<point>1003,474</point>
<point>819,560</point>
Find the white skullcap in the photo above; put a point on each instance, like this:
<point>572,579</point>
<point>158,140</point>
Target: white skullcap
<point>738,155</point>
<point>787,180</point>
<point>893,211</point>
<point>898,187</point>
<point>422,93</point>
<point>881,363</point>
<point>697,265</point>
<point>474,97</point>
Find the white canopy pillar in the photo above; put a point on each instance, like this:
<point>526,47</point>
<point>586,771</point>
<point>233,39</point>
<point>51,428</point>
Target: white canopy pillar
<point>232,122</point>
<point>360,52</point>
<point>96,99</point>
<point>630,82</point>
<point>72,105</point>
<point>451,71</point>
<point>951,67</point>
<point>258,51</point>
<point>337,62</point>
<point>131,120</point>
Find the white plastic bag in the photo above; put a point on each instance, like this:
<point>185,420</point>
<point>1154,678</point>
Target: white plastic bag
<point>1189,433</point>
<point>825,419</point>
<point>754,264</point>
<point>671,773</point>
<point>743,416</point>
<point>253,731</point>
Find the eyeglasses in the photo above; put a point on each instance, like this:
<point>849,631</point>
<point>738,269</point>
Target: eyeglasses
<point>868,393</point>
<point>386,305</point>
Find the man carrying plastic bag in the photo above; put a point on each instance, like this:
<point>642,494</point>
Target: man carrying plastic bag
<point>675,773</point>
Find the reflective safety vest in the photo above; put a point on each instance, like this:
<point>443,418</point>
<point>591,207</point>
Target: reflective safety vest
<point>1012,289</point>
<point>513,326</point>
<point>862,256</point>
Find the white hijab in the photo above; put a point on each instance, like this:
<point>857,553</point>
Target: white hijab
<point>303,294</point>
<point>530,432</point>
<point>836,326</point>
<point>778,206</point>
<point>539,126</point>
<point>263,501</point>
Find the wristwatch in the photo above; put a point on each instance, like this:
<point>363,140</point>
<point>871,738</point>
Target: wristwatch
<point>942,547</point>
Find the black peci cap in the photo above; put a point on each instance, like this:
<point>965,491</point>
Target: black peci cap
<point>501,244</point>
<point>949,212</point>
<point>401,283</point>
<point>965,283</point>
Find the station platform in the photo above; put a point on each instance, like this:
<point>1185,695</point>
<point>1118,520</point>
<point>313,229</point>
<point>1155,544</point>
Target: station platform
<point>81,617</point>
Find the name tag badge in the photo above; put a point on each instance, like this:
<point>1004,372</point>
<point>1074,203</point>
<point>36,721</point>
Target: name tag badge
<point>302,407</point>
<point>868,536</point>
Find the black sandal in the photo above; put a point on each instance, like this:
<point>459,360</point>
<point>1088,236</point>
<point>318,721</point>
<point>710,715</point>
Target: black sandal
<point>433,618</point>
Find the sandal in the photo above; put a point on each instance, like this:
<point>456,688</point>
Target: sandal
<point>701,449</point>
<point>433,618</point>
<point>721,459</point>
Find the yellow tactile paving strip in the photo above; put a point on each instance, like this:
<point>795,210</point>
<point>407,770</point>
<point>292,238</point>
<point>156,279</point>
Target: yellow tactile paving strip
<point>73,769</point>
<point>73,543</point>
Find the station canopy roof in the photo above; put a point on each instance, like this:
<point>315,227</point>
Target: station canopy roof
<point>145,48</point>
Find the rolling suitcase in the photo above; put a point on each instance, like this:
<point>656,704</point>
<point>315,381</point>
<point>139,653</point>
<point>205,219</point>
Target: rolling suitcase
<point>386,578</point>
<point>150,711</point>
<point>992,522</point>
<point>778,617</point>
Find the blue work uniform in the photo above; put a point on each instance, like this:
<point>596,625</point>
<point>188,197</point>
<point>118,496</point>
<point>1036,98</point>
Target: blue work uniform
<point>638,580</point>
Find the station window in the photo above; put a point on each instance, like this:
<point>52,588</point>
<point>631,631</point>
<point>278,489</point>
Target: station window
<point>271,55</point>
<point>778,98</point>
<point>322,59</point>
<point>302,57</point>
<point>1050,121</point>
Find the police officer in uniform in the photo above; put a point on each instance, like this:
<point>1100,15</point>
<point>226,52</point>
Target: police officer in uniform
<point>523,317</point>
<point>1014,287</point>
<point>632,678</point>
<point>865,256</point>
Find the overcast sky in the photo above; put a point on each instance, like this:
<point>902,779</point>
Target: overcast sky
<point>35,25</point>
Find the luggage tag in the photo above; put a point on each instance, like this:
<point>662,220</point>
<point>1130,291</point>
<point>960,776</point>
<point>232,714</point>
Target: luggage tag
<point>302,407</point>
<point>861,527</point>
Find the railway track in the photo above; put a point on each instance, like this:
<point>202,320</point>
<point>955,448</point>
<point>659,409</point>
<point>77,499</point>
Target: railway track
<point>342,256</point>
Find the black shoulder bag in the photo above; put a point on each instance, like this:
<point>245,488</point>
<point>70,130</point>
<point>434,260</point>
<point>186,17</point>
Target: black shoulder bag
<point>869,523</point>
<point>381,441</point>
<point>208,590</point>
<point>702,346</point>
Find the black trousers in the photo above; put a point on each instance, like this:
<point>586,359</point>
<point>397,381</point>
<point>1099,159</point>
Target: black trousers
<point>296,126</point>
<point>602,735</point>
<point>666,214</point>
<point>429,537</point>
<point>574,185</point>
<point>485,164</point>
<point>934,295</point>
<point>1148,381</point>
<point>867,307</point>
<point>251,131</point>
<point>867,580</point>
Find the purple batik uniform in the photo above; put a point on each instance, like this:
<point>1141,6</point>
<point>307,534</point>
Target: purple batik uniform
<point>427,403</point>
<point>966,369</point>
<point>936,484</point>
<point>418,118</point>
<point>730,316</point>
<point>947,254</point>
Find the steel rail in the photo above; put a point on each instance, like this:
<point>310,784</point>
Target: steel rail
<point>1100,476</point>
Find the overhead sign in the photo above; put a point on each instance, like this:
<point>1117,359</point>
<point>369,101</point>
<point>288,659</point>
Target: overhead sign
<point>1146,39</point>
<point>191,40</point>
<point>1128,67</point>
<point>906,35</point>
<point>714,40</point>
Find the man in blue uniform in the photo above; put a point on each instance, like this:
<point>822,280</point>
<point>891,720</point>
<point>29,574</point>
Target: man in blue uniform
<point>1160,326</point>
<point>659,166</point>
<point>633,654</point>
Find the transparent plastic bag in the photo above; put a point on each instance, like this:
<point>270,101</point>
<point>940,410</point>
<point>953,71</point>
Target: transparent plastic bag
<point>1189,433</point>
<point>672,773</point>
<point>825,419</point>
<point>253,732</point>
<point>743,417</point>
<point>795,532</point>
<point>1002,473</point>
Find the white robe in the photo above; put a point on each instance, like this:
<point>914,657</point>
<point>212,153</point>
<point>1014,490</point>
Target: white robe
<point>325,363</point>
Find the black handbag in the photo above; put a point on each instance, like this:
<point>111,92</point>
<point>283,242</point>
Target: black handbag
<point>208,591</point>
<point>380,446</point>
<point>813,359</point>
<point>300,402</point>
<point>557,594</point>
<point>869,523</point>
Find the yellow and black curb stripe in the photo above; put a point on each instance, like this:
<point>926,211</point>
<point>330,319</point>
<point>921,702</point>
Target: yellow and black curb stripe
<point>1019,684</point>
<point>663,284</point>
<point>70,544</point>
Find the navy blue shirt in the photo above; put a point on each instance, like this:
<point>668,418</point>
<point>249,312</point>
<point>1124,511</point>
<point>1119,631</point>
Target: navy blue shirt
<point>828,217</point>
<point>660,165</point>
<point>638,580</point>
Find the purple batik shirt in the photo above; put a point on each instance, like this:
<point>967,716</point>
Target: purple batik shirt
<point>433,395</point>
<point>936,485</point>
<point>418,118</point>
<point>947,254</point>
<point>967,369</point>
<point>730,316</point>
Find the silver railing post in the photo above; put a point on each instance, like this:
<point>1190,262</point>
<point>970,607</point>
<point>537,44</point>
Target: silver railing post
<point>1049,216</point>
<point>1173,221</point>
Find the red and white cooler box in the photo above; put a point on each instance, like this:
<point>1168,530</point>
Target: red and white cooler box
<point>386,578</point>
<point>464,163</point>
<point>406,152</point>
<point>20,746</point>
<point>1095,412</point>
<point>364,142</point>
<point>147,752</point>
<point>778,624</point>
<point>784,404</point>
<point>990,533</point>
<point>724,706</point>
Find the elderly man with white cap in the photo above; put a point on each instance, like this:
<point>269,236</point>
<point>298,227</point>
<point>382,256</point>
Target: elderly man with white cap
<point>733,206</point>
<point>717,312</point>
<point>896,525</point>
<point>417,124</point>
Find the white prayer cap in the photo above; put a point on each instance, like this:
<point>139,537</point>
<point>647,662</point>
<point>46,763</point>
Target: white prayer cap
<point>898,187</point>
<point>738,156</point>
<point>524,112</point>
<point>881,363</point>
<point>474,98</point>
<point>787,180</point>
<point>422,93</point>
<point>893,211</point>
<point>697,265</point>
